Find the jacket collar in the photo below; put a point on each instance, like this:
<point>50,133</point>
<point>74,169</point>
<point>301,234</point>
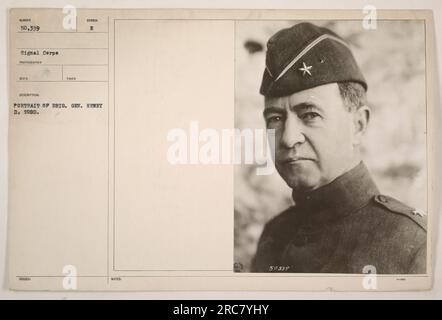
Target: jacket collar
<point>347,193</point>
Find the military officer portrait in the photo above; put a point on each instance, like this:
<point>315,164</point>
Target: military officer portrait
<point>314,95</point>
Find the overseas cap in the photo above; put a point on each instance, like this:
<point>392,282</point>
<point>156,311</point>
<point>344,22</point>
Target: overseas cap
<point>306,56</point>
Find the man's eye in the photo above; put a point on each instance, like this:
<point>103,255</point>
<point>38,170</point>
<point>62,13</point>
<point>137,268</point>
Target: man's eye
<point>309,116</point>
<point>273,119</point>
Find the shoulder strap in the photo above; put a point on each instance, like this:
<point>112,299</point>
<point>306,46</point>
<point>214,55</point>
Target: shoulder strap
<point>395,206</point>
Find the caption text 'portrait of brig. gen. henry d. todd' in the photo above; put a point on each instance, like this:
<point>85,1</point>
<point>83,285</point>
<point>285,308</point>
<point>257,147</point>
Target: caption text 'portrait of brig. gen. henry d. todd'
<point>315,101</point>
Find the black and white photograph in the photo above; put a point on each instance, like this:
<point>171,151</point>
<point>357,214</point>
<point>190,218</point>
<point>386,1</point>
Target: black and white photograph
<point>222,150</point>
<point>347,104</point>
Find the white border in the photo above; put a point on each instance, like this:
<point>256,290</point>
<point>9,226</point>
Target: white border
<point>435,5</point>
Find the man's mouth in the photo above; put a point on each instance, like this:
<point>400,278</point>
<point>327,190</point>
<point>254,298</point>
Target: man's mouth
<point>294,160</point>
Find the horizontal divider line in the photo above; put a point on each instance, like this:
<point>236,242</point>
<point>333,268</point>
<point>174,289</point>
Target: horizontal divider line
<point>59,64</point>
<point>63,48</point>
<point>72,81</point>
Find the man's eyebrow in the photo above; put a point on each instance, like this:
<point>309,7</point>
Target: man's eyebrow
<point>296,108</point>
<point>305,105</point>
<point>269,110</point>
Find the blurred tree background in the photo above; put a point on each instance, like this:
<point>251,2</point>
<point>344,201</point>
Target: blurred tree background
<point>392,59</point>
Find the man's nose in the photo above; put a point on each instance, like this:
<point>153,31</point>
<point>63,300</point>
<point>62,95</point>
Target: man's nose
<point>292,133</point>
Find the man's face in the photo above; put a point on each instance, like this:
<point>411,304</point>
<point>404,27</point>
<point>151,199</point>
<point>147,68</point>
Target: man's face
<point>314,136</point>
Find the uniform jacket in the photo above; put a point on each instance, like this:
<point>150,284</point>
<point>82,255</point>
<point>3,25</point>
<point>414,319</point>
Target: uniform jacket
<point>343,227</point>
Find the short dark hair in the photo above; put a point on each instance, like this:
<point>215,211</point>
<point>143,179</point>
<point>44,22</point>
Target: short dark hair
<point>353,94</point>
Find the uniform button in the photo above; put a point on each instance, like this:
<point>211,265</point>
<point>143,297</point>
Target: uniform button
<point>382,199</point>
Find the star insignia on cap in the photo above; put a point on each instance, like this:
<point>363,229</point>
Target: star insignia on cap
<point>305,69</point>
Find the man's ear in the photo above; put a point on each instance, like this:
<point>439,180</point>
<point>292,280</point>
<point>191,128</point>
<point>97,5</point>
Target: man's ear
<point>361,117</point>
